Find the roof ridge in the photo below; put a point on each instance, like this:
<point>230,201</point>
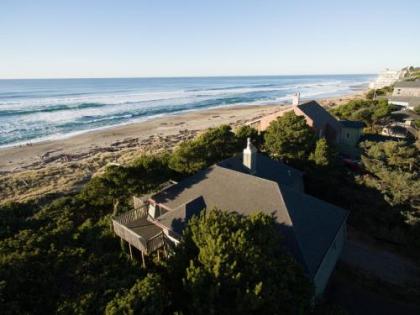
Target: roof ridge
<point>245,174</point>
<point>293,225</point>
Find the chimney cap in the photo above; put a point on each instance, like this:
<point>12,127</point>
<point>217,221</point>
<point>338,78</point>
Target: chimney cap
<point>248,142</point>
<point>296,99</point>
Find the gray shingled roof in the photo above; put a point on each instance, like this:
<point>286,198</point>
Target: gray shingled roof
<point>318,114</point>
<point>268,169</point>
<point>309,225</point>
<point>411,100</point>
<point>177,219</point>
<point>352,124</point>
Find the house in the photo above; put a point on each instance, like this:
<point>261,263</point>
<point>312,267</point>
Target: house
<point>407,117</point>
<point>262,123</point>
<point>387,78</point>
<point>317,117</point>
<point>314,231</point>
<point>351,131</point>
<point>406,94</point>
<point>396,131</point>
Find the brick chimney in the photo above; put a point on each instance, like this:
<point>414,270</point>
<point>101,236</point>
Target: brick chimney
<point>250,157</point>
<point>296,99</point>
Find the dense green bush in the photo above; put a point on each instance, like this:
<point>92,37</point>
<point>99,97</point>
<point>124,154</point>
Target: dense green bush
<point>289,138</point>
<point>368,111</point>
<point>244,132</point>
<point>393,169</point>
<point>233,264</point>
<point>208,148</point>
<point>146,297</point>
<point>379,92</point>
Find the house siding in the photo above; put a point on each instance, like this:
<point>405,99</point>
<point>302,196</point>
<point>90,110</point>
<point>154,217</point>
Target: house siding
<point>406,91</point>
<point>330,260</point>
<point>350,136</point>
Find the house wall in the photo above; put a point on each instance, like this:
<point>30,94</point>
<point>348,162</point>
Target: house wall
<point>406,91</point>
<point>330,260</point>
<point>309,121</point>
<point>350,136</point>
<point>266,120</point>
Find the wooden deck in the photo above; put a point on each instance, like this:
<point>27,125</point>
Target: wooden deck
<point>135,228</point>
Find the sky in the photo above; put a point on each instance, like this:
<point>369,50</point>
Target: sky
<point>156,38</point>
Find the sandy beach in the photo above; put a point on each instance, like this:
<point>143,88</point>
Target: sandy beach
<point>63,165</point>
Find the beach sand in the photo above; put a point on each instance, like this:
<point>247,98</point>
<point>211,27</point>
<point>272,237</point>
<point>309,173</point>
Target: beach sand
<point>63,165</point>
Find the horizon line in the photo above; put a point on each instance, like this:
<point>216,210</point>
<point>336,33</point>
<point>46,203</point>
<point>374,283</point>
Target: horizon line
<point>184,77</point>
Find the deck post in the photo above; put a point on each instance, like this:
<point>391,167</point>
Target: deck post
<point>142,260</point>
<point>158,253</point>
<point>131,252</point>
<point>165,253</point>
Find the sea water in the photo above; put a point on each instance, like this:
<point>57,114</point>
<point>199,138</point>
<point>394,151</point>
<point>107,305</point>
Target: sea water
<point>40,109</point>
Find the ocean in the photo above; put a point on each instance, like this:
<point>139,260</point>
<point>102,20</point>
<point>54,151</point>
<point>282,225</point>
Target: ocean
<point>41,109</point>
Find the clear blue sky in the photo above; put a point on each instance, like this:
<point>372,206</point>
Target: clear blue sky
<point>101,38</point>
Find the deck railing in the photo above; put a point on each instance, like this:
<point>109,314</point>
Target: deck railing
<point>132,215</point>
<point>130,236</point>
<point>156,242</point>
<point>121,226</point>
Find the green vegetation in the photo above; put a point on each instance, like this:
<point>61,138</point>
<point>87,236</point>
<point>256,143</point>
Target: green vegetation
<point>146,296</point>
<point>289,138</point>
<point>379,92</point>
<point>414,74</point>
<point>226,264</point>
<point>371,112</point>
<point>394,171</point>
<point>232,264</point>
<point>208,148</point>
<point>323,156</point>
<point>244,132</point>
<point>59,255</point>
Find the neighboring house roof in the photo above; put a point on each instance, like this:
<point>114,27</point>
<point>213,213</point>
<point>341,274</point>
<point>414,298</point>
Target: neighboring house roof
<point>318,114</point>
<point>410,100</point>
<point>405,115</point>
<point>377,138</point>
<point>309,225</point>
<point>352,124</point>
<point>398,131</point>
<point>408,84</point>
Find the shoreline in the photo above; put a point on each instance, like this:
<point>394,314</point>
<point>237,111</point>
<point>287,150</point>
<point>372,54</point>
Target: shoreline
<point>108,135</point>
<point>63,165</point>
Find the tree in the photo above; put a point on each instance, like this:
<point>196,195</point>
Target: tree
<point>394,170</point>
<point>323,155</point>
<point>369,111</point>
<point>188,158</point>
<point>208,148</point>
<point>244,132</point>
<point>233,264</point>
<point>141,176</point>
<point>289,138</point>
<point>146,297</point>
